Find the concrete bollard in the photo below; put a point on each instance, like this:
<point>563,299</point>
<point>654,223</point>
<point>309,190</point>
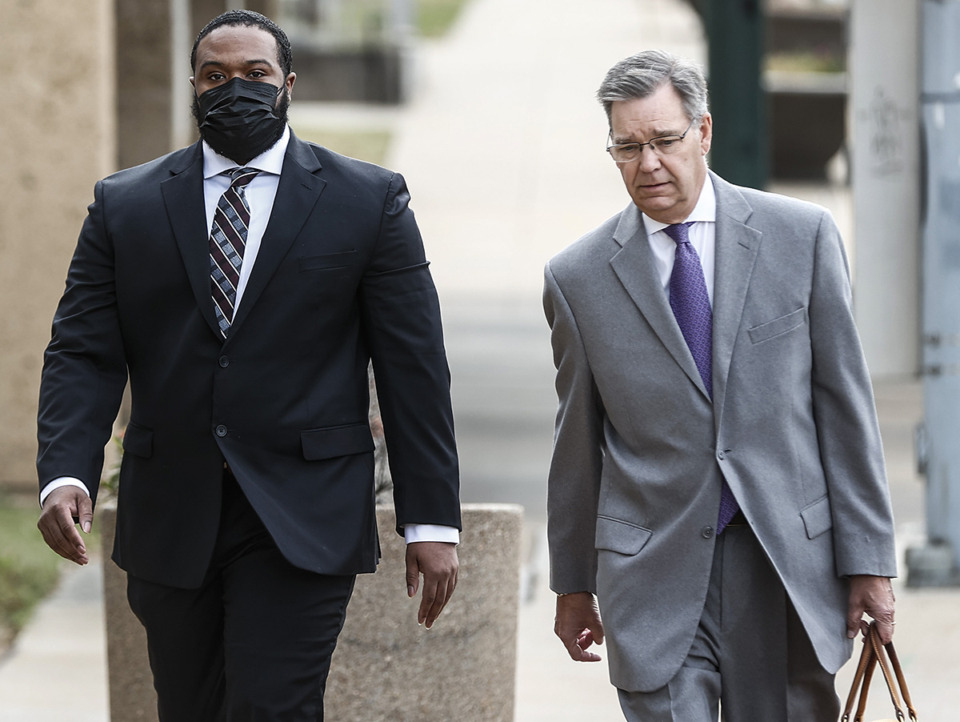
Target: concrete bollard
<point>385,665</point>
<point>132,698</point>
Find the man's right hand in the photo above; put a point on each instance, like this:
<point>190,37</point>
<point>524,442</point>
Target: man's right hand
<point>57,526</point>
<point>578,625</point>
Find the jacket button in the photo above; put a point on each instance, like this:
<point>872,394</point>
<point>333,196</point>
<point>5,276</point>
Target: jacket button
<point>720,455</point>
<point>223,361</point>
<point>221,431</point>
<point>706,532</point>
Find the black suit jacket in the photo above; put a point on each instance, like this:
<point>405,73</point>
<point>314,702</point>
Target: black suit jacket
<point>340,278</point>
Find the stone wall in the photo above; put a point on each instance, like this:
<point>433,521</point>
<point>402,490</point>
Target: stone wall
<point>57,131</point>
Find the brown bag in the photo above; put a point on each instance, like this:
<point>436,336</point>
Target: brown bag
<point>876,653</point>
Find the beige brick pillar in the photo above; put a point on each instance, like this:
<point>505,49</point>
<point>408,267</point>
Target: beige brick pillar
<point>202,12</point>
<point>58,139</point>
<point>269,8</point>
<point>146,71</point>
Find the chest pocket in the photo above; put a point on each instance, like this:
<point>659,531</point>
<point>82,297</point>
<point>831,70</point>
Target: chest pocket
<point>778,326</point>
<point>327,261</point>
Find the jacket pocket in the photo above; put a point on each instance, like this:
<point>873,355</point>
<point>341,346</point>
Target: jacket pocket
<point>138,440</point>
<point>620,536</point>
<point>778,326</point>
<point>327,261</point>
<point>336,441</point>
<point>816,517</point>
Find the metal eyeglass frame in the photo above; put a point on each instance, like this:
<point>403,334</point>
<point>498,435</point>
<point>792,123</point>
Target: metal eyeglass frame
<point>654,143</point>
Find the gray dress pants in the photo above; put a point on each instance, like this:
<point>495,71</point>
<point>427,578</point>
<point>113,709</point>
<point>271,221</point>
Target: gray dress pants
<point>751,659</point>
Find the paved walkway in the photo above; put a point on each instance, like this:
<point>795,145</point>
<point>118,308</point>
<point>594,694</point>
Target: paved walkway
<point>56,672</point>
<point>503,151</point>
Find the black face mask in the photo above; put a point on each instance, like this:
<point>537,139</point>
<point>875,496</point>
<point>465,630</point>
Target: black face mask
<point>241,118</point>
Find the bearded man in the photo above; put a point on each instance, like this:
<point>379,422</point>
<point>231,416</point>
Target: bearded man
<point>244,284</point>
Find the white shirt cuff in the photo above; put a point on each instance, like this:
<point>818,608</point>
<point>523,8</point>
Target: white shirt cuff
<point>57,483</point>
<point>430,533</point>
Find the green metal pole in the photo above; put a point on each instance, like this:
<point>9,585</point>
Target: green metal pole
<point>735,31</point>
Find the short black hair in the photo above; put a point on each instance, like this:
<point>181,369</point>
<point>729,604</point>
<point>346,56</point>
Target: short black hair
<point>249,18</point>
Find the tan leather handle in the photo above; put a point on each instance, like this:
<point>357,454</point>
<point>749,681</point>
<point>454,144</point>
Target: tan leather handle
<point>880,655</point>
<point>901,680</point>
<point>866,660</point>
<point>875,653</point>
<point>865,687</point>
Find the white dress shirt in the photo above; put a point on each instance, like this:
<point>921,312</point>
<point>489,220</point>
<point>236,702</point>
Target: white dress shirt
<point>702,235</point>
<point>260,194</point>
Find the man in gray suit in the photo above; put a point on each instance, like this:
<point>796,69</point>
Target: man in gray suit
<point>717,490</point>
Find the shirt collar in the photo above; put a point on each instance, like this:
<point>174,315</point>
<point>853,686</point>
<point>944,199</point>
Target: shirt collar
<point>705,210</point>
<point>270,161</point>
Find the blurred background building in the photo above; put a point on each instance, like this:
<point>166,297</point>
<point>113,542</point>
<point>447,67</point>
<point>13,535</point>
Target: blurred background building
<point>350,50</point>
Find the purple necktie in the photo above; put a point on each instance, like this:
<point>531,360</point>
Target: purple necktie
<point>691,307</point>
<point>228,239</point>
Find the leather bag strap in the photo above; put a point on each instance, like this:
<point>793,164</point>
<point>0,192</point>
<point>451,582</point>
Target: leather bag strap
<point>866,661</point>
<point>890,664</point>
<point>874,654</point>
<point>865,687</point>
<point>901,680</point>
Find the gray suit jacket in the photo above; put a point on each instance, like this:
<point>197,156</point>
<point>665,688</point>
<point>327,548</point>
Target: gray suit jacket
<point>640,450</point>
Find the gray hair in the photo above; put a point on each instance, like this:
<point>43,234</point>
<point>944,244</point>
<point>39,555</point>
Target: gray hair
<point>641,75</point>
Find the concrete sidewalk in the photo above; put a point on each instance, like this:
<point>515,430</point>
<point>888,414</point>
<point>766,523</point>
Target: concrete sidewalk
<point>56,670</point>
<point>503,150</point>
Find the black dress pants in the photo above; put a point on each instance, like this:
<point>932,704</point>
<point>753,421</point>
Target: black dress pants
<point>253,643</point>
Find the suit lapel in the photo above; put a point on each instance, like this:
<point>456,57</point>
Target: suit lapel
<point>635,267</point>
<point>736,252</point>
<point>296,197</point>
<point>183,198</point>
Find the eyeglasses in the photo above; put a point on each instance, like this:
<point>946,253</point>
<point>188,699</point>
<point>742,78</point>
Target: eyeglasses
<point>664,145</point>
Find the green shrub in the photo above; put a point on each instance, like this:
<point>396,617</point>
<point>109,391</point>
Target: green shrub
<point>28,568</point>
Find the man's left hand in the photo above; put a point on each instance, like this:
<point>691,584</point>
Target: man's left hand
<point>438,563</point>
<point>873,596</point>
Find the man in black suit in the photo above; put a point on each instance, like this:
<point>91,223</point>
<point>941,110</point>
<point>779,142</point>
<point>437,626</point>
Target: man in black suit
<point>246,499</point>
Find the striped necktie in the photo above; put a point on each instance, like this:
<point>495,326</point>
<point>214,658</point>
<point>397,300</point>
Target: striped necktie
<point>228,239</point>
<point>691,307</point>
